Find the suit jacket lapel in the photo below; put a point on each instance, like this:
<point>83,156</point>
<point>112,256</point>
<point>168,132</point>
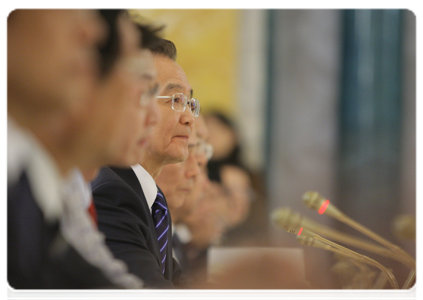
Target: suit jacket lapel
<point>128,175</point>
<point>130,178</point>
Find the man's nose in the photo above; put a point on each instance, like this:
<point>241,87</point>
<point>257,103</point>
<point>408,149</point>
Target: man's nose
<point>186,117</point>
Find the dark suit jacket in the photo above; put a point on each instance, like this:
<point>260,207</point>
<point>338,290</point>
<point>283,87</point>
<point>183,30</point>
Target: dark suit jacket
<point>125,218</point>
<point>38,257</point>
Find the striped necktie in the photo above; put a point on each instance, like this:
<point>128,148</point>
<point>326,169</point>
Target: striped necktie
<point>161,221</point>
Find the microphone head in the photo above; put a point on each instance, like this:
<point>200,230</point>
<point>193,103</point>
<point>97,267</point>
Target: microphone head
<point>313,200</point>
<point>406,227</point>
<point>286,219</point>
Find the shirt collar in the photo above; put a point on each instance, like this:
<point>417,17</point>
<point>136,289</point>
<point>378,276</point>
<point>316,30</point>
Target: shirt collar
<point>46,182</point>
<point>148,184</point>
<point>27,154</point>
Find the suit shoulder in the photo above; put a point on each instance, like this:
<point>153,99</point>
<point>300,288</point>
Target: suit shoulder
<point>105,175</point>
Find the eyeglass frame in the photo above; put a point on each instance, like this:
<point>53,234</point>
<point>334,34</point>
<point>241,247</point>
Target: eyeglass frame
<point>186,100</point>
<point>206,149</point>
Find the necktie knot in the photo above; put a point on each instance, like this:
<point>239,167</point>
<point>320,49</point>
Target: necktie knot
<point>159,204</point>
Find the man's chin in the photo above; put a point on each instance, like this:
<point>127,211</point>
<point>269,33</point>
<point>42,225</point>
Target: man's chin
<point>175,157</point>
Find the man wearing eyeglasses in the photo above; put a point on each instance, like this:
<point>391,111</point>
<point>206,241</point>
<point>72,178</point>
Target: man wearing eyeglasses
<point>183,183</point>
<point>132,210</point>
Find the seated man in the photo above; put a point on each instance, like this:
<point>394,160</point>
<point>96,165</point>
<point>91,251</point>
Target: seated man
<point>132,210</point>
<point>178,182</point>
<point>201,151</point>
<point>54,77</point>
<point>54,93</point>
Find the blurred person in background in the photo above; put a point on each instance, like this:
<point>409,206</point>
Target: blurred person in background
<point>119,121</point>
<point>180,182</point>
<point>237,184</point>
<point>45,191</point>
<point>181,235</point>
<point>227,168</point>
<point>177,180</point>
<point>211,209</point>
<point>202,228</point>
<point>224,205</point>
<point>117,125</point>
<point>201,152</point>
<point>132,210</point>
<point>225,139</point>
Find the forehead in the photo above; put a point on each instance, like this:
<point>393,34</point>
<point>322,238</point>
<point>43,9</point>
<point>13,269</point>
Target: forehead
<point>171,76</point>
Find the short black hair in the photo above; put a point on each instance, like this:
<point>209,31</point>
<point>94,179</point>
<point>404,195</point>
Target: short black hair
<point>166,48</point>
<point>109,50</point>
<point>150,35</point>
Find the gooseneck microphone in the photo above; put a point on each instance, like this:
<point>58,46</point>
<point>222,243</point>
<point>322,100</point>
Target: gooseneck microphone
<point>315,201</point>
<point>323,206</point>
<point>293,225</point>
<point>281,217</point>
<point>313,240</point>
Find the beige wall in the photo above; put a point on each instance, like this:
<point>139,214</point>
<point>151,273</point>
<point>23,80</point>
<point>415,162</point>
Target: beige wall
<point>206,40</point>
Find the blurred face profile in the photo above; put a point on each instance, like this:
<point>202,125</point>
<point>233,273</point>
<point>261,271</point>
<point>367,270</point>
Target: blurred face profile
<point>52,57</point>
<point>208,220</point>
<point>201,182</point>
<point>169,142</point>
<point>123,108</point>
<point>193,197</point>
<point>136,114</point>
<point>237,185</point>
<point>177,180</point>
<point>222,137</point>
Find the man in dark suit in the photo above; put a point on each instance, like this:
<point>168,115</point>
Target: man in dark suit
<point>44,82</point>
<point>51,241</point>
<point>182,184</point>
<point>132,211</point>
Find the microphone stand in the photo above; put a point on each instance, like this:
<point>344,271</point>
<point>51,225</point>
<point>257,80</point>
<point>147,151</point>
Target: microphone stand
<point>283,215</point>
<point>364,273</point>
<point>331,246</point>
<point>315,201</point>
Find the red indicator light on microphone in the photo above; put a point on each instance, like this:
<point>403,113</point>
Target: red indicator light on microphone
<point>322,208</point>
<point>299,232</point>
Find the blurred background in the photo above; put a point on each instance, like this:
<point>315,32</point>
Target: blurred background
<point>320,100</point>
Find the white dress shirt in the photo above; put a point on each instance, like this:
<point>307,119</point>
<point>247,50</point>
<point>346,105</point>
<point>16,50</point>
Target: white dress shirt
<point>148,184</point>
<point>26,153</point>
<point>64,199</point>
<point>19,145</point>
